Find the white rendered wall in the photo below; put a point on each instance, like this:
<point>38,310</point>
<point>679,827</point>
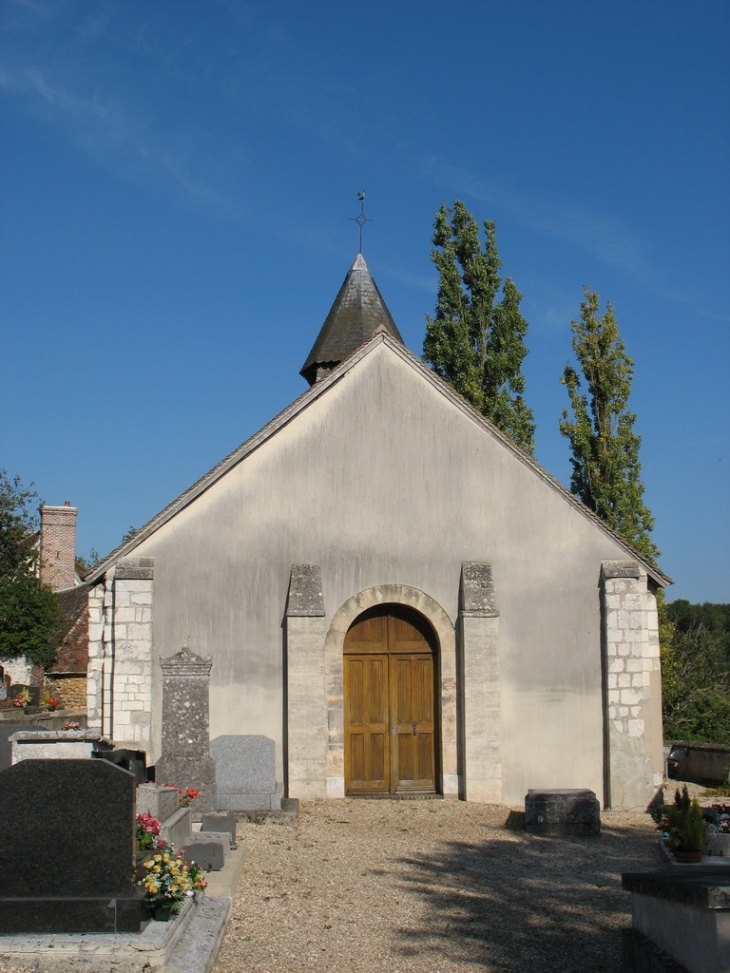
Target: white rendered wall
<point>384,480</point>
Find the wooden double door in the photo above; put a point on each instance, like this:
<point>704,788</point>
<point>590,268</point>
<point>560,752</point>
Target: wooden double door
<point>390,704</point>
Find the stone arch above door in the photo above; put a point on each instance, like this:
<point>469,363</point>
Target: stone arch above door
<point>333,655</point>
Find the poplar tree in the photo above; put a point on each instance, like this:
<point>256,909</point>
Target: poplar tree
<point>475,340</point>
<point>606,472</point>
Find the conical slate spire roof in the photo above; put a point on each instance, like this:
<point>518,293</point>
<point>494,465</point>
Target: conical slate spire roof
<point>358,313</point>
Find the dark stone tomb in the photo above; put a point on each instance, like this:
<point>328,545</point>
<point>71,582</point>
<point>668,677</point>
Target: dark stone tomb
<point>67,840</point>
<point>563,812</point>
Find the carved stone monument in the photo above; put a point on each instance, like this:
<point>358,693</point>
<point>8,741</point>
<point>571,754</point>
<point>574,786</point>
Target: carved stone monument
<point>185,760</point>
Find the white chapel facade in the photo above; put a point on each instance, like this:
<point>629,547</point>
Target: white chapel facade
<point>393,593</point>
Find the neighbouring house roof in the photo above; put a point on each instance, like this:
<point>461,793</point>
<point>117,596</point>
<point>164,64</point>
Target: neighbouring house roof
<point>74,646</point>
<point>312,394</point>
<point>358,314</point>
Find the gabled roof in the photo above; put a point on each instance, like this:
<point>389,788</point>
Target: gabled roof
<point>314,393</point>
<point>358,313</point>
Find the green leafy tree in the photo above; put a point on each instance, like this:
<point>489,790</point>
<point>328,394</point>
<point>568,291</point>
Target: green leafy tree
<point>475,341</point>
<point>87,562</point>
<point>606,472</point>
<point>29,614</point>
<point>695,648</point>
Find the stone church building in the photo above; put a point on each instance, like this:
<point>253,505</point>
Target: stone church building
<point>394,594</point>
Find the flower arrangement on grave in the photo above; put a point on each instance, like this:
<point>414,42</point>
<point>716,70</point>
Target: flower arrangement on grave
<point>717,818</point>
<point>51,701</point>
<point>23,699</point>
<point>169,880</point>
<point>147,833</point>
<point>71,725</point>
<point>185,797</point>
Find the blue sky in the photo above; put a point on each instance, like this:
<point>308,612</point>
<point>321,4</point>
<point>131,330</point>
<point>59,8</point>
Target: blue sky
<point>177,182</point>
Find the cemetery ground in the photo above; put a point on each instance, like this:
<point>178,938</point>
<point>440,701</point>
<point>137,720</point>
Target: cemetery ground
<point>429,886</point>
<point>434,887</point>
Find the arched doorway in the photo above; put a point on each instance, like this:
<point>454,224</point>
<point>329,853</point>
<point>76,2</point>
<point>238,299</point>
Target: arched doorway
<point>390,676</point>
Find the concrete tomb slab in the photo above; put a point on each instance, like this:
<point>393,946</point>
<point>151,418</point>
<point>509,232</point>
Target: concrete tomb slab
<point>41,744</point>
<point>563,812</point>
<point>685,917</point>
<point>177,829</point>
<point>159,802</point>
<point>209,854</point>
<point>7,731</point>
<point>220,823</point>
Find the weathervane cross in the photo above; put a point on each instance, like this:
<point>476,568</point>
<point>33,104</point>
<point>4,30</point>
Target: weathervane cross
<point>361,219</point>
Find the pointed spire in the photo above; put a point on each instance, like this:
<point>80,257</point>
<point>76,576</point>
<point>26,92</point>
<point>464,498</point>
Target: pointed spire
<point>358,313</point>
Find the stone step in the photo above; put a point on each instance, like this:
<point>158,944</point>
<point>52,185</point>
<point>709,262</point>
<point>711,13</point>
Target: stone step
<point>196,949</point>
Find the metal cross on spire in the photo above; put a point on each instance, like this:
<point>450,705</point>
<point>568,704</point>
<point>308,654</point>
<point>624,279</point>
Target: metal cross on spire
<point>361,219</point>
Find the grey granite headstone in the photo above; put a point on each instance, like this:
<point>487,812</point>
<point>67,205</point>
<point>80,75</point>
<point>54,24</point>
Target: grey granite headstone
<point>563,812</point>
<point>186,761</point>
<point>245,773</point>
<point>67,839</point>
<point>209,855</point>
<point>220,824</point>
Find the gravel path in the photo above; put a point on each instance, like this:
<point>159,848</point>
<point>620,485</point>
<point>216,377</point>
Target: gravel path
<point>434,887</point>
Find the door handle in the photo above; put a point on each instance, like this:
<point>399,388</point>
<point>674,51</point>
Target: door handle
<point>415,728</point>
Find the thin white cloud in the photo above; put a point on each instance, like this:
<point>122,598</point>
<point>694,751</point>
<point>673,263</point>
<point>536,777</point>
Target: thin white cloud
<point>602,236</point>
<point>124,142</point>
<point>62,104</point>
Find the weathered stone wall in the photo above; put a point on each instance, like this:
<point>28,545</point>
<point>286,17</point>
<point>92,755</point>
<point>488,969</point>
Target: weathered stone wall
<point>119,686</point>
<point>481,689</point>
<point>633,686</point>
<point>98,596</point>
<point>71,692</point>
<point>19,670</point>
<point>306,686</point>
<point>132,617</point>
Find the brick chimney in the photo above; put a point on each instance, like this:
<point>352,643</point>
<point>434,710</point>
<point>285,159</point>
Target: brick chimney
<point>58,546</point>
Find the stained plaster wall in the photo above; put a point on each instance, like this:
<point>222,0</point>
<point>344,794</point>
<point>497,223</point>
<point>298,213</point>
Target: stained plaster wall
<point>382,480</point>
